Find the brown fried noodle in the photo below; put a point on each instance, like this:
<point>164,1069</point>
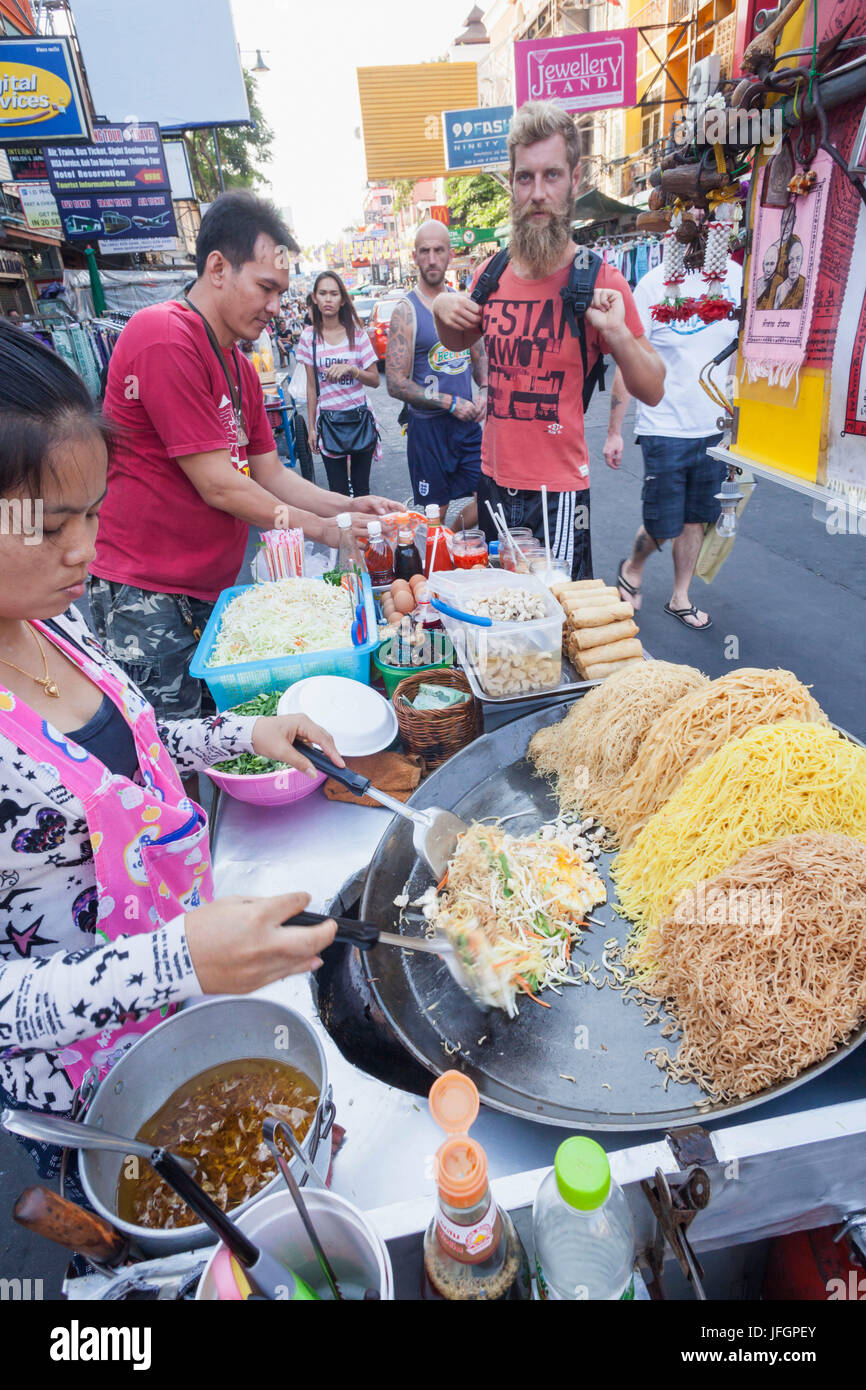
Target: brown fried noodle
<point>763,967</point>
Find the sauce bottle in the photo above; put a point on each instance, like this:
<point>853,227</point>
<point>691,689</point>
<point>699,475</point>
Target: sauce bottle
<point>437,553</point>
<point>378,555</point>
<point>407,561</point>
<point>471,1250</point>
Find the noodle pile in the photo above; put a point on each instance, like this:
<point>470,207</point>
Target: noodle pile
<point>692,730</point>
<point>764,967</point>
<point>590,750</point>
<point>776,780</point>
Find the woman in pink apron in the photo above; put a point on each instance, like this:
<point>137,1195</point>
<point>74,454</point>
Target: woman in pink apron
<point>106,913</point>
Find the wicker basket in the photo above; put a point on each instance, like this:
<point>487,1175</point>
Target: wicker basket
<point>436,734</point>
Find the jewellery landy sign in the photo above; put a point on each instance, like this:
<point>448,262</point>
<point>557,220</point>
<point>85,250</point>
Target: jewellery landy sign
<point>580,72</point>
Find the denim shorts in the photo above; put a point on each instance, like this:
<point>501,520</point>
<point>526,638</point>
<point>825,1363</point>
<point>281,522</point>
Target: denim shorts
<point>680,483</point>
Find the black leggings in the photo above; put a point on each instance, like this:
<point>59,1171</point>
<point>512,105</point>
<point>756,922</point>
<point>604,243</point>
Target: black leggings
<point>354,466</point>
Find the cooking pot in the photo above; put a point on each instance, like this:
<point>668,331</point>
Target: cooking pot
<point>225,1029</point>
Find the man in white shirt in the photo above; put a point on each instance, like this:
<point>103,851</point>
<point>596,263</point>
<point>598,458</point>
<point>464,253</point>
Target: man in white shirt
<point>680,479</point>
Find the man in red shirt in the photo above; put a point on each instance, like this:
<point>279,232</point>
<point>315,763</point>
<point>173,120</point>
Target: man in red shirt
<point>195,464</point>
<point>534,431</point>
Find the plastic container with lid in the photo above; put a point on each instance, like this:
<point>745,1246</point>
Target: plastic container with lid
<point>437,556</point>
<point>469,549</point>
<point>583,1229</point>
<point>472,1251</point>
<point>509,659</point>
<point>378,555</point>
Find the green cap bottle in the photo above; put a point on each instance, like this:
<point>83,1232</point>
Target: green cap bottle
<point>582,1173</point>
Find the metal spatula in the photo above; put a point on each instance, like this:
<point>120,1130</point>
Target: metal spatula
<point>366,935</point>
<point>435,831</point>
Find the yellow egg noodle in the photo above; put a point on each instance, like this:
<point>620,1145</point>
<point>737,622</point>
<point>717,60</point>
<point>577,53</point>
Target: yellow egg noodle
<point>690,731</point>
<point>776,780</point>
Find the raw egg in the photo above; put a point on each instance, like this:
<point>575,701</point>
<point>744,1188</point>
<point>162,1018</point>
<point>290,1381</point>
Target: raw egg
<point>404,602</point>
<point>416,581</point>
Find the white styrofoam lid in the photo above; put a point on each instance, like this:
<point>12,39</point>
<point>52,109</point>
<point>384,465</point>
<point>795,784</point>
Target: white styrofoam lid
<point>359,719</point>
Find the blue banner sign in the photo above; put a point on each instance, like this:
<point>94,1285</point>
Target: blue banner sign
<point>477,136</point>
<point>41,99</point>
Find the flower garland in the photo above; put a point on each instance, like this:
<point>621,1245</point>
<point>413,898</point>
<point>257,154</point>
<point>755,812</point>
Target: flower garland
<point>674,307</point>
<point>712,305</point>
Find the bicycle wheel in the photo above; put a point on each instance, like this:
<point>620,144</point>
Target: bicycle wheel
<point>302,449</point>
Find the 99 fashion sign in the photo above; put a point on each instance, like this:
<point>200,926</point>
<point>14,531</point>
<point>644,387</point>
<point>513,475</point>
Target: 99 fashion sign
<point>41,93</point>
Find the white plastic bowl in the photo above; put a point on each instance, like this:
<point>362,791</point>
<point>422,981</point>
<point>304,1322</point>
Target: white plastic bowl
<point>359,719</point>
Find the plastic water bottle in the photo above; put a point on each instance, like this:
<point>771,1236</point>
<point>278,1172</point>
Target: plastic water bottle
<point>584,1235</point>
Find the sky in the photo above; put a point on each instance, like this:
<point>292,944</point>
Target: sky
<point>310,96</point>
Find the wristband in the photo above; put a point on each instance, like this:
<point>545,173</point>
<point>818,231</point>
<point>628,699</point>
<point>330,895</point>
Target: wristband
<point>453,406</point>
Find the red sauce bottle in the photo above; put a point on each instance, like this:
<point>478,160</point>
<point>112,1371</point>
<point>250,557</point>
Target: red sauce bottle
<point>437,553</point>
<point>378,555</point>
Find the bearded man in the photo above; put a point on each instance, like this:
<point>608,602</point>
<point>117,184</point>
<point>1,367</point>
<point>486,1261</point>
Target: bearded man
<point>534,430</point>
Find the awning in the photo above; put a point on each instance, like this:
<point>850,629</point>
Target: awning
<point>596,206</point>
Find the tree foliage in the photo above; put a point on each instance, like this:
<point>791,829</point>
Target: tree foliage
<point>242,150</point>
<point>476,201</point>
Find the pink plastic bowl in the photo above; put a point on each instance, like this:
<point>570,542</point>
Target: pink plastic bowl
<point>267,788</point>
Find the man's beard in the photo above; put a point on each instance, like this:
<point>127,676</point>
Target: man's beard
<point>432,284</point>
<point>539,245</point>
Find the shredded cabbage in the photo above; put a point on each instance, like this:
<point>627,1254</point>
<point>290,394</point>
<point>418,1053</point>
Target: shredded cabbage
<point>283,618</point>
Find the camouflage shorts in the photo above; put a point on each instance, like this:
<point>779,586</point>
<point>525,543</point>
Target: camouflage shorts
<point>152,638</point>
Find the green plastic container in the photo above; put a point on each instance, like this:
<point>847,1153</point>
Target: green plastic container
<point>393,675</point>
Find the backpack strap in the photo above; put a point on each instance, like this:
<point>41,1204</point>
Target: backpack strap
<point>488,280</point>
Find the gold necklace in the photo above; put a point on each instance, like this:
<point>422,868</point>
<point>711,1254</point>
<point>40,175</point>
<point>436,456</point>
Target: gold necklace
<point>48,683</point>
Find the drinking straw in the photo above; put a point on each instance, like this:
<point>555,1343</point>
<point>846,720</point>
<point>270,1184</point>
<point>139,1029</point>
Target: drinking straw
<point>546,530</point>
<point>511,541</point>
<point>433,553</point>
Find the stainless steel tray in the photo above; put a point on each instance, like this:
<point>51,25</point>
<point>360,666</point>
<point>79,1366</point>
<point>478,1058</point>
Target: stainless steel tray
<point>571,683</point>
<point>523,1066</point>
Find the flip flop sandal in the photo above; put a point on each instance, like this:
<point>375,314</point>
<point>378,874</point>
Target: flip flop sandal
<point>682,613</point>
<point>622,583</point>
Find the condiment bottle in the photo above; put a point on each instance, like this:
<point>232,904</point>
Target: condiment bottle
<point>378,555</point>
<point>436,555</point>
<point>471,1249</point>
<point>407,561</point>
<point>350,560</point>
<point>584,1235</point>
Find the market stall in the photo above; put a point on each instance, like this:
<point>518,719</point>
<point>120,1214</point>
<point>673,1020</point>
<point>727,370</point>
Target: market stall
<point>727,1119</point>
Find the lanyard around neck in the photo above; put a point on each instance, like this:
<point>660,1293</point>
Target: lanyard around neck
<point>236,392</point>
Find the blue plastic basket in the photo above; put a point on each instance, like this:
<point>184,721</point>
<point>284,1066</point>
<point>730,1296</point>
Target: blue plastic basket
<point>230,685</point>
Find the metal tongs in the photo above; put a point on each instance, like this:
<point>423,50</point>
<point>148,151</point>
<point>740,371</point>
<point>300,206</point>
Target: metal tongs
<point>269,1133</point>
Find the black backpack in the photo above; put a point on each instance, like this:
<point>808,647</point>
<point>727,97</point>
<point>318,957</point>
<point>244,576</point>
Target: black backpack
<point>577,297</point>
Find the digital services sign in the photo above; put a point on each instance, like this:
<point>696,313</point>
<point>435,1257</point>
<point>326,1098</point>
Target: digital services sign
<point>41,93</point>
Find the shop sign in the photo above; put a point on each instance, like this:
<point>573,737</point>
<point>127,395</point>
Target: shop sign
<point>40,207</point>
<point>26,163</point>
<point>477,136</point>
<point>142,217</point>
<point>121,159</point>
<point>41,97</point>
<point>470,236</point>
<point>580,72</point>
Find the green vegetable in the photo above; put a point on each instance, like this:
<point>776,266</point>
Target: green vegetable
<point>333,577</point>
<point>250,764</point>
<point>542,924</point>
<point>506,874</point>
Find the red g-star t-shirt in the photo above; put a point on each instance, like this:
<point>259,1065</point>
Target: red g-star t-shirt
<point>167,395</point>
<point>534,431</point>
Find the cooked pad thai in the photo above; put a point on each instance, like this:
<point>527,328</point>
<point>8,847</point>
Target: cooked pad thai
<point>512,908</point>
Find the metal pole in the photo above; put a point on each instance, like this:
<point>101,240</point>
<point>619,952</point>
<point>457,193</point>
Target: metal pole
<point>219,163</point>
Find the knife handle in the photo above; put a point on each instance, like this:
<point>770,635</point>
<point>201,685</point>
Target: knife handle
<point>50,1215</point>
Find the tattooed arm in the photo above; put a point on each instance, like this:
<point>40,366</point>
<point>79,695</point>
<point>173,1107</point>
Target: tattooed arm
<point>398,370</point>
<point>619,401</point>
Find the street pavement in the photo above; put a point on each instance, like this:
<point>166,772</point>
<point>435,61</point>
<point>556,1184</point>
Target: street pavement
<point>790,594</point>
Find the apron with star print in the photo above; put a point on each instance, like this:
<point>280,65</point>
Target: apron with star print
<point>150,843</point>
